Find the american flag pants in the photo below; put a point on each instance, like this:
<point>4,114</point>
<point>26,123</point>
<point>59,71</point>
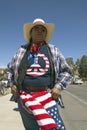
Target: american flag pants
<point>44,109</point>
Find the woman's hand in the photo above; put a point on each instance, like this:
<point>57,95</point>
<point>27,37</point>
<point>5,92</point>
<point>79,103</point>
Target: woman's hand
<point>55,93</point>
<point>14,89</point>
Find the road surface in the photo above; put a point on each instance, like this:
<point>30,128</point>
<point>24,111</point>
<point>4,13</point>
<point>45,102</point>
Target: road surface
<point>75,112</point>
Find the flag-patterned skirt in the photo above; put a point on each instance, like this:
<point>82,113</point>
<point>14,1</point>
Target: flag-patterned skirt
<point>44,109</point>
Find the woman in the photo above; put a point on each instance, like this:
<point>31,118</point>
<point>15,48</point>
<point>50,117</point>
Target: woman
<point>37,73</point>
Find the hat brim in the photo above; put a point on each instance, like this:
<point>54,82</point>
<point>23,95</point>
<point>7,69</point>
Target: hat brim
<point>29,26</point>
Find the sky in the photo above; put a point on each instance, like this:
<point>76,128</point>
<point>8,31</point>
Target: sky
<point>69,17</point>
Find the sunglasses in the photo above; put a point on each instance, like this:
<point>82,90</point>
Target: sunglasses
<point>40,28</point>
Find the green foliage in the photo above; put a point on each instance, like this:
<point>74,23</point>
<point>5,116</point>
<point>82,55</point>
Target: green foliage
<point>83,66</point>
<point>70,61</point>
<point>79,68</point>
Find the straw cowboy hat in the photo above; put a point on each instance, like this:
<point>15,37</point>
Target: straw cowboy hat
<point>38,21</point>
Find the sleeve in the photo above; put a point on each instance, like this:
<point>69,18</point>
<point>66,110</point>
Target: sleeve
<point>64,75</point>
<point>11,69</point>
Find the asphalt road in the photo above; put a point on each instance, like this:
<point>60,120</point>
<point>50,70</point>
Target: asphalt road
<point>74,114</point>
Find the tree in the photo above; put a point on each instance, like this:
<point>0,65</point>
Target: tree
<point>70,61</point>
<point>83,66</point>
<point>71,64</point>
<point>77,62</point>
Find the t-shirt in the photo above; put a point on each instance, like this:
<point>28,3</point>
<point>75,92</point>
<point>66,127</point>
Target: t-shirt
<point>38,71</point>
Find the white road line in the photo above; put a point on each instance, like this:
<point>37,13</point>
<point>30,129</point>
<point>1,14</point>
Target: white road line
<point>74,96</point>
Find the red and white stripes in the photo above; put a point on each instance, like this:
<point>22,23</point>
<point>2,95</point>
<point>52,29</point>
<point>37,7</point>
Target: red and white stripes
<point>35,69</point>
<point>37,102</point>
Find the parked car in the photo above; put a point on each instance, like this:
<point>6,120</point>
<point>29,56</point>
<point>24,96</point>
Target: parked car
<point>4,85</point>
<point>4,82</point>
<point>77,81</point>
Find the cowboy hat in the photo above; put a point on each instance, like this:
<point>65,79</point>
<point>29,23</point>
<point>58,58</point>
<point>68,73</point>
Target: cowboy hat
<point>38,21</point>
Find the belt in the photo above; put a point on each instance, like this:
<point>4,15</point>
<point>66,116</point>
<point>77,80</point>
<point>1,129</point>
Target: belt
<point>37,88</point>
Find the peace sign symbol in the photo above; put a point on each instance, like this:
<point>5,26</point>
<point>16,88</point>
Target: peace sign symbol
<point>35,69</point>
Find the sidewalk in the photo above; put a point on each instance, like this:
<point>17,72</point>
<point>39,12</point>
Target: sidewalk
<point>10,118</point>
